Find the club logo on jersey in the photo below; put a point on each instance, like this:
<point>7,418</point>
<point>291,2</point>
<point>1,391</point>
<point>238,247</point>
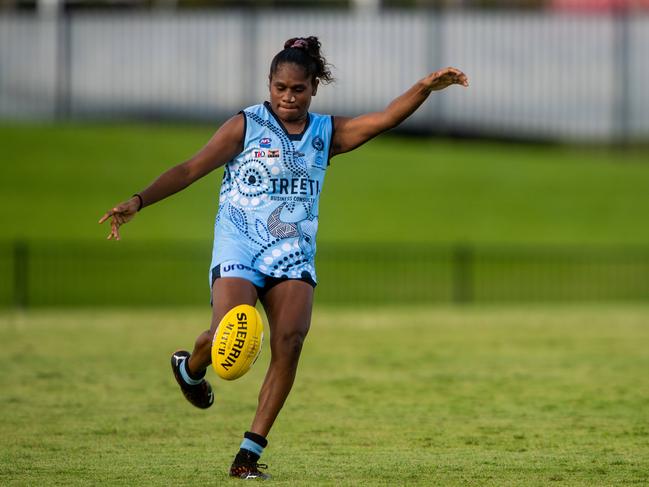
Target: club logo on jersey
<point>317,143</point>
<point>265,143</point>
<point>273,153</point>
<point>260,153</point>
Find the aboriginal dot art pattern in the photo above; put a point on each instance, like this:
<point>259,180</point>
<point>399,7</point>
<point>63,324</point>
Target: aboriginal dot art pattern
<point>269,198</point>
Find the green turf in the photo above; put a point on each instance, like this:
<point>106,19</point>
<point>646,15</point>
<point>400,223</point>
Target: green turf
<point>484,397</point>
<point>56,180</point>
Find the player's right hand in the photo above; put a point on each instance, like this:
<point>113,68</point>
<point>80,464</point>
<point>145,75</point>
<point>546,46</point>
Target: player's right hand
<point>122,213</point>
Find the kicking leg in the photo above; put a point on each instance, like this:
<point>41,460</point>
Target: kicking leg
<point>227,292</point>
<point>189,370</point>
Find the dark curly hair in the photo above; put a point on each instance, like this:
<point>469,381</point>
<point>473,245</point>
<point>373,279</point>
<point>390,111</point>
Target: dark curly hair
<point>305,52</point>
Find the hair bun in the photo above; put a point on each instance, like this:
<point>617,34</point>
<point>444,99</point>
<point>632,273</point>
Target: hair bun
<point>304,51</point>
<point>297,43</point>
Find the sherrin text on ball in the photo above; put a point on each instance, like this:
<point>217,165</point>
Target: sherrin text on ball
<point>237,342</point>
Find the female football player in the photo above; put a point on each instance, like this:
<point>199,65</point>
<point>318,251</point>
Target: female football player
<point>276,155</point>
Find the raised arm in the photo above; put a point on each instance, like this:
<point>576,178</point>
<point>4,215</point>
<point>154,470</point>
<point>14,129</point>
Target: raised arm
<point>350,133</point>
<point>225,144</point>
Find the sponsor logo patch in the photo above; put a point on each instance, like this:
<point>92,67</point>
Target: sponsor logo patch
<point>265,143</point>
<point>295,186</point>
<point>260,153</point>
<point>233,267</point>
<point>273,153</point>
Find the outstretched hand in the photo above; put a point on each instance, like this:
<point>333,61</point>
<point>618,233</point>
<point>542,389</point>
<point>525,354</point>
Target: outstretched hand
<point>444,78</point>
<point>122,213</point>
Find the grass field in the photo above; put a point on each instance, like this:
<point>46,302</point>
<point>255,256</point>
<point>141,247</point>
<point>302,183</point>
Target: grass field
<point>481,396</point>
<point>429,396</point>
<point>56,180</point>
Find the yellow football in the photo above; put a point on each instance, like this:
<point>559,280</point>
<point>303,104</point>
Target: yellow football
<point>237,342</point>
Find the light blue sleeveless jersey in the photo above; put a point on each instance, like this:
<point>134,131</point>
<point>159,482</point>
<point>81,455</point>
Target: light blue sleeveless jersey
<point>268,205</point>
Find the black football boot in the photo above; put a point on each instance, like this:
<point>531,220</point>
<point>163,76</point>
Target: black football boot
<point>200,395</point>
<point>245,468</point>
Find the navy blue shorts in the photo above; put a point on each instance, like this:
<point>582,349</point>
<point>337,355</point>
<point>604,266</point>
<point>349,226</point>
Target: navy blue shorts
<point>262,282</point>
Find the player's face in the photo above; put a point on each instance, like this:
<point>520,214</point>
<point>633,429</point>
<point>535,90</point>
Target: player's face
<point>291,91</point>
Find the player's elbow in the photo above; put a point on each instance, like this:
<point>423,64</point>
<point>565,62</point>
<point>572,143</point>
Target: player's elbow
<point>189,171</point>
<point>382,122</point>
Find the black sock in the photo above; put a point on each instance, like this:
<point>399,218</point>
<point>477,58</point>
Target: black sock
<point>260,440</point>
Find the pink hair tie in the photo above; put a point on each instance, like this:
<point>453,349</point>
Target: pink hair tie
<point>300,44</point>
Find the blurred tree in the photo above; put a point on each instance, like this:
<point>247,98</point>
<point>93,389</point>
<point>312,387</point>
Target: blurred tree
<point>17,5</point>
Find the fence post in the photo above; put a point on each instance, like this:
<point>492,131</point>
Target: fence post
<point>435,44</point>
<point>462,274</point>
<point>21,269</point>
<point>249,40</point>
<point>621,75</point>
<point>63,102</point>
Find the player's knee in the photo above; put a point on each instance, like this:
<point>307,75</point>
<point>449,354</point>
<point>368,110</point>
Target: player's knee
<point>289,345</point>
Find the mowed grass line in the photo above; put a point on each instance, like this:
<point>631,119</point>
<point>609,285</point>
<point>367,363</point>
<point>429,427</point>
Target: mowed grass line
<point>428,396</point>
<point>57,180</point>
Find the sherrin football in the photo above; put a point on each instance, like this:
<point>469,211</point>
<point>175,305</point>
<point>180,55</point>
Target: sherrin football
<point>237,342</point>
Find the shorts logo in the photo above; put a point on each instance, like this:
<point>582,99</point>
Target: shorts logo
<point>265,143</point>
<point>273,153</point>
<point>317,143</point>
<point>238,267</point>
<point>260,153</point>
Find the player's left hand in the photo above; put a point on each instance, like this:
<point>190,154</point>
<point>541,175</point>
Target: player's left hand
<point>122,213</point>
<point>444,78</point>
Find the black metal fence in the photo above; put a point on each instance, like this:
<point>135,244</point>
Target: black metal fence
<point>50,274</point>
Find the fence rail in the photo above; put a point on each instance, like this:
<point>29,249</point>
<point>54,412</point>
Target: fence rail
<point>46,274</point>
